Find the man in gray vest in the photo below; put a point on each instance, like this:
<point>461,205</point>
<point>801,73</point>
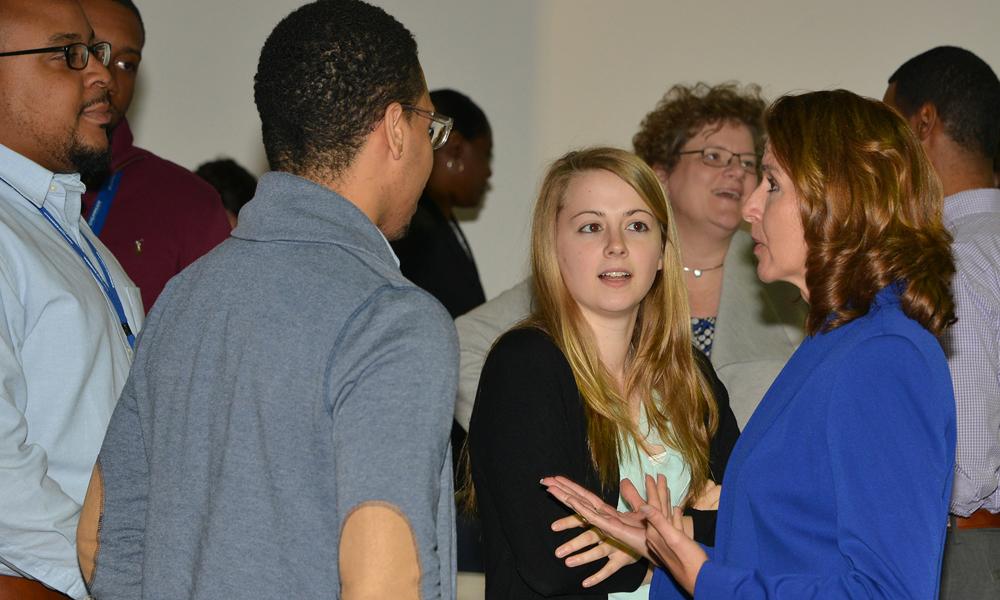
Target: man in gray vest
<point>284,431</point>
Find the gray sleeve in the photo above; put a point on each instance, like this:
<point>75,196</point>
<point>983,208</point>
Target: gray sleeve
<point>392,386</point>
<point>477,331</point>
<point>121,533</point>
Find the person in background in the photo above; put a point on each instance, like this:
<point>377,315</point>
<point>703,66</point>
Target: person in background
<point>155,216</point>
<point>602,381</point>
<point>68,313</point>
<point>284,432</point>
<point>703,143</point>
<point>838,487</point>
<point>235,184</point>
<point>434,253</point>
<point>951,100</point>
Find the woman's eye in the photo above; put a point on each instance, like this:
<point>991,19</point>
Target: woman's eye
<point>590,228</point>
<point>638,226</point>
<point>772,184</point>
<point>126,65</point>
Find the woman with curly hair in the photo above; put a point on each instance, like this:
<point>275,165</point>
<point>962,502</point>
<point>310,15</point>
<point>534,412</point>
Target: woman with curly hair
<point>601,382</point>
<point>839,486</point>
<point>704,144</point>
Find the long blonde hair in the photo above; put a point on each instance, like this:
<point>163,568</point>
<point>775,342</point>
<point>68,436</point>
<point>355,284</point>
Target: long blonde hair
<point>660,366</point>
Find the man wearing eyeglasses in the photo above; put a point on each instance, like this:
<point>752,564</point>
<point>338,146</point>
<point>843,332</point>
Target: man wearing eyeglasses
<point>68,312</point>
<point>155,216</point>
<point>285,429</point>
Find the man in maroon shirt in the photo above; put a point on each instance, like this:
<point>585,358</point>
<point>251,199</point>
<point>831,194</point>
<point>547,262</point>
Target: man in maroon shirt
<point>155,216</point>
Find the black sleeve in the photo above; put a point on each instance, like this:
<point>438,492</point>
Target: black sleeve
<point>527,424</point>
<point>719,450</point>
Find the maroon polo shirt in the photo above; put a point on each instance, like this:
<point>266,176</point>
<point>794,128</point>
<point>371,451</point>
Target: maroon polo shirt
<point>162,218</point>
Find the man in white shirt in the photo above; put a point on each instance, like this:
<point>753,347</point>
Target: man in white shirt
<point>68,313</point>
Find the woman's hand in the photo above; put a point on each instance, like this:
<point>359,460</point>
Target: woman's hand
<point>666,538</point>
<point>628,529</point>
<point>663,540</point>
<point>597,546</point>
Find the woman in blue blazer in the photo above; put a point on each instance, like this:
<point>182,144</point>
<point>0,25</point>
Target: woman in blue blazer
<point>839,485</point>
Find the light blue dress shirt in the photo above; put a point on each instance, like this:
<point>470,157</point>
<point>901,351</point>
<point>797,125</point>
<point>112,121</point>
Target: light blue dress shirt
<point>64,358</point>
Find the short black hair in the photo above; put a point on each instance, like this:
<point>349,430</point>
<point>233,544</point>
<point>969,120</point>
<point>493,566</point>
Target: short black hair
<point>135,10</point>
<point>470,120</point>
<point>325,76</point>
<point>964,90</point>
<point>235,184</point>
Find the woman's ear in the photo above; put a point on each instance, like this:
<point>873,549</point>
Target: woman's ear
<point>661,173</point>
<point>455,147</point>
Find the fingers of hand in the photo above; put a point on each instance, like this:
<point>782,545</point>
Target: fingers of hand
<point>663,524</point>
<point>596,552</point>
<point>569,522</point>
<point>587,538</point>
<point>677,519</point>
<point>615,561</point>
<point>664,491</point>
<point>630,494</point>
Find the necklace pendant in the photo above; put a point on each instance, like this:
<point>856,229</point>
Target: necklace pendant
<point>697,272</point>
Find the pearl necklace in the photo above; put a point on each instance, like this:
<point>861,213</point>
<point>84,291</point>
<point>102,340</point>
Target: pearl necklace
<point>699,272</point>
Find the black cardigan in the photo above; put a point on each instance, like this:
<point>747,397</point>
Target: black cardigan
<point>529,423</point>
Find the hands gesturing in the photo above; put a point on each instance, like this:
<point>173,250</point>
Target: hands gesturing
<point>651,529</point>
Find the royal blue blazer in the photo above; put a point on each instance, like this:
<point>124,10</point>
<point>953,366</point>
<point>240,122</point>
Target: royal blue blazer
<point>839,485</point>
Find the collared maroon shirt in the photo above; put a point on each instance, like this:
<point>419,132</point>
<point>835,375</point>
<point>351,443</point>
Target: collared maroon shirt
<point>162,219</point>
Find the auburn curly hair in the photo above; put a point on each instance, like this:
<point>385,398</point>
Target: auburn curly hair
<point>871,208</point>
<point>684,110</point>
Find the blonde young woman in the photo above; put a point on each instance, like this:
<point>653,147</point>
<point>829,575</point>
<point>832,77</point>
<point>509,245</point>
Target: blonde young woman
<point>600,382</point>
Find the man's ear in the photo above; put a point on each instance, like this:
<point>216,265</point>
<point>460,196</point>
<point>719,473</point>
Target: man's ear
<point>394,129</point>
<point>924,120</point>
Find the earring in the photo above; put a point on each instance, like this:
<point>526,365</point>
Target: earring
<point>450,164</point>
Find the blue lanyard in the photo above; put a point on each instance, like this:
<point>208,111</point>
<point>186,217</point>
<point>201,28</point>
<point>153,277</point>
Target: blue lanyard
<point>107,284</point>
<point>99,212</point>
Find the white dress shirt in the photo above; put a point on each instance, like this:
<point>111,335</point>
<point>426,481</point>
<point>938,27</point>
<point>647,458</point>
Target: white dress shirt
<point>64,358</point>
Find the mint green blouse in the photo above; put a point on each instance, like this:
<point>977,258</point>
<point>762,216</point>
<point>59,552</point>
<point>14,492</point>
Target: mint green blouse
<point>636,464</point>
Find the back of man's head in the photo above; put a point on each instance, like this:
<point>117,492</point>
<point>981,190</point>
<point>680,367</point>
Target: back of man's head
<point>963,89</point>
<point>325,76</point>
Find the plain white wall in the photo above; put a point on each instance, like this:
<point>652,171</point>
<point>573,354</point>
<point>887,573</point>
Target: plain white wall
<point>550,74</point>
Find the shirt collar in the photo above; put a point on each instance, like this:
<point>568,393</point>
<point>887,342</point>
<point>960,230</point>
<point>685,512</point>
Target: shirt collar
<point>970,202</point>
<point>27,177</point>
<point>389,246</point>
<point>287,207</point>
<point>59,193</point>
